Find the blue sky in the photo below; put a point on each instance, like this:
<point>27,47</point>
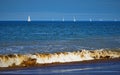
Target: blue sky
<point>57,9</point>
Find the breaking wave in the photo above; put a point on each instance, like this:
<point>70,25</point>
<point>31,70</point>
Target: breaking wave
<point>14,60</point>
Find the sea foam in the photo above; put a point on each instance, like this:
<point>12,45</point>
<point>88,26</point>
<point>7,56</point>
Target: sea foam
<point>22,60</point>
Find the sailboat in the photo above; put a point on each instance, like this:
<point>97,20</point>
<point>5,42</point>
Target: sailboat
<point>74,19</point>
<point>115,19</point>
<point>63,19</point>
<point>100,19</point>
<point>52,19</point>
<point>29,19</point>
<point>90,19</point>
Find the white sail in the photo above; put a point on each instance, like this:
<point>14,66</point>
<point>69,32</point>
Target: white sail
<point>74,19</point>
<point>90,19</point>
<point>115,19</point>
<point>63,19</point>
<point>52,19</point>
<point>100,19</point>
<point>29,19</point>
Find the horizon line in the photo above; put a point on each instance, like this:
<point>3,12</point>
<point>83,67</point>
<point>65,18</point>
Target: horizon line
<point>61,20</point>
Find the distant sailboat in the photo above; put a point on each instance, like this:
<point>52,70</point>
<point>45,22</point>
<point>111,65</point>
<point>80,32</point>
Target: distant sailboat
<point>63,19</point>
<point>90,19</point>
<point>52,19</point>
<point>74,19</point>
<point>29,19</point>
<point>101,20</point>
<point>115,19</point>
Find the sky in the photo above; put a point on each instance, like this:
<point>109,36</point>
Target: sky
<point>58,9</point>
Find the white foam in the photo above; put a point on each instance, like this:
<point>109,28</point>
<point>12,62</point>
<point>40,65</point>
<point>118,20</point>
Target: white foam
<point>62,57</point>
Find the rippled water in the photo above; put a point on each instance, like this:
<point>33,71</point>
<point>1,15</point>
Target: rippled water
<point>32,37</point>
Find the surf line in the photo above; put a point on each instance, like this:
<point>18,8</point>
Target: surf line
<point>23,60</point>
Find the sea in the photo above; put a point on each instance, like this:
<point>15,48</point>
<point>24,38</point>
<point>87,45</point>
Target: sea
<point>22,37</point>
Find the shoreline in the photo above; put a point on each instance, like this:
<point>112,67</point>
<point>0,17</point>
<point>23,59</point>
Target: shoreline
<point>15,61</point>
<point>58,64</point>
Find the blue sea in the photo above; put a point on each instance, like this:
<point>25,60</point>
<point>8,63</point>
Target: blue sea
<point>23,37</point>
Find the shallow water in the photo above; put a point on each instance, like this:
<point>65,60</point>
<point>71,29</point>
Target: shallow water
<point>104,68</point>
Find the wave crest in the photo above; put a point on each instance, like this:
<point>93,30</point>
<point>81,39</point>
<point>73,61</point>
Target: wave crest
<point>60,57</point>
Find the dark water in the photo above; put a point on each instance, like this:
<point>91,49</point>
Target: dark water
<point>32,37</point>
